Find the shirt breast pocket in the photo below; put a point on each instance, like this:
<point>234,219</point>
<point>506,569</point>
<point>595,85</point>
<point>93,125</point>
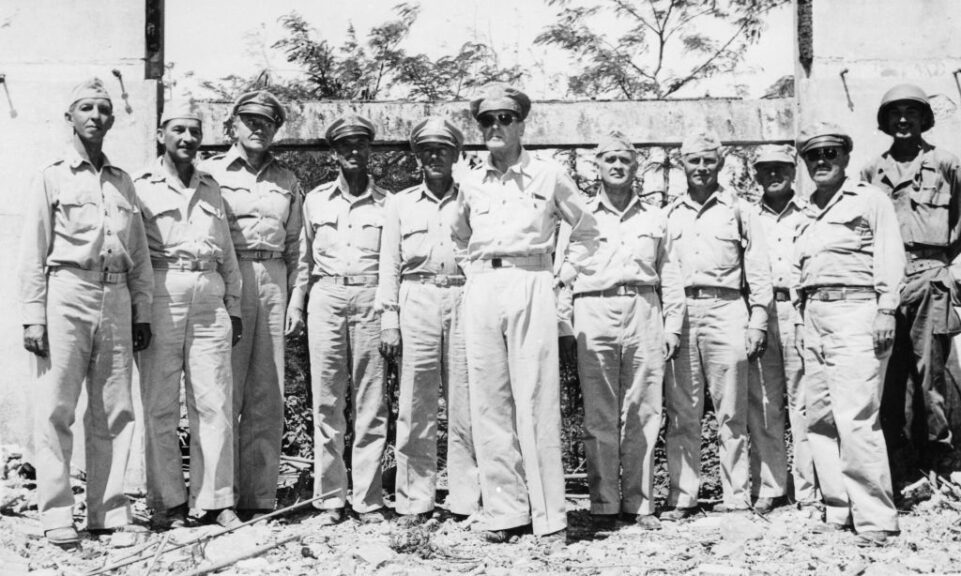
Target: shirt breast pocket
<point>931,200</point>
<point>80,209</point>
<point>368,231</point>
<point>206,217</point>
<point>325,233</point>
<point>413,238</point>
<point>728,244</point>
<point>845,232</point>
<point>646,246</point>
<point>121,210</point>
<point>278,203</point>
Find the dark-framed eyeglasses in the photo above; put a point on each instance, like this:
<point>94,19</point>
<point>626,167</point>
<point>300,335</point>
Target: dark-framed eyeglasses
<point>829,154</point>
<point>504,119</point>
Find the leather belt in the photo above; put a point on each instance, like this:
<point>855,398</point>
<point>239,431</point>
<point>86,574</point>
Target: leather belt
<point>355,280</point>
<point>619,290</point>
<point>259,254</point>
<point>536,262</point>
<point>922,259</point>
<point>184,265</point>
<point>782,295</point>
<point>700,292</point>
<point>441,280</point>
<point>834,293</point>
<point>91,275</point>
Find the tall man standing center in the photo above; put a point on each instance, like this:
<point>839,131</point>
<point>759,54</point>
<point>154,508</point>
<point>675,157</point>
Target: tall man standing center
<point>263,200</point>
<point>340,255</point>
<point>421,298</point>
<point>719,245</point>
<point>504,231</point>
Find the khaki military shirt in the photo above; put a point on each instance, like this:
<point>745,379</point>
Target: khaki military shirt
<point>720,244</point>
<point>263,206</point>
<point>341,234</point>
<point>416,240</point>
<point>188,223</point>
<point>634,249</point>
<point>853,241</point>
<point>779,232</point>
<point>515,213</point>
<point>77,217</point>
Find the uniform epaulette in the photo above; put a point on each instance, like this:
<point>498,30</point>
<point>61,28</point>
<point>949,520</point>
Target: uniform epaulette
<point>325,187</point>
<point>142,174</point>
<point>672,205</point>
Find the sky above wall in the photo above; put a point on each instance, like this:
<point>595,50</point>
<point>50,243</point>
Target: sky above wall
<point>215,38</point>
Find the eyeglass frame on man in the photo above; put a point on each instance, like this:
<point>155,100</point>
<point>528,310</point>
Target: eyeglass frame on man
<point>488,119</point>
<point>828,153</point>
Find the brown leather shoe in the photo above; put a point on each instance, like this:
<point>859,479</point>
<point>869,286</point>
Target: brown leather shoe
<point>648,522</point>
<point>329,517</point>
<point>410,520</point>
<point>169,519</point>
<point>66,537</point>
<point>603,522</point>
<point>678,514</point>
<point>497,536</point>
<point>373,517</point>
<point>559,537</point>
<point>225,518</point>
<point>873,538</point>
<point>765,505</point>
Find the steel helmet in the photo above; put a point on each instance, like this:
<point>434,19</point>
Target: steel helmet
<point>910,93</point>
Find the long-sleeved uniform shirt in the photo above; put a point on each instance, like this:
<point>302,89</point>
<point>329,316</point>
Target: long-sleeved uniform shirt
<point>416,240</point>
<point>341,234</point>
<point>188,223</point>
<point>634,249</point>
<point>78,217</point>
<point>853,241</point>
<point>263,206</point>
<point>780,229</point>
<point>927,199</point>
<point>515,213</point>
<point>720,244</point>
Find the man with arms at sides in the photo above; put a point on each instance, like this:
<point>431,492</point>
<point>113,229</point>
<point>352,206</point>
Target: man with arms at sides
<point>924,182</point>
<point>263,200</point>
<point>504,226</point>
<point>196,318</point>
<point>849,270</point>
<point>85,292</point>
<point>627,322</point>
<point>718,243</point>
<point>421,298</point>
<point>340,255</point>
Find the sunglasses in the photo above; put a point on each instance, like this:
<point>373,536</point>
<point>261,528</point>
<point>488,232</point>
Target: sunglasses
<point>488,120</point>
<point>829,154</point>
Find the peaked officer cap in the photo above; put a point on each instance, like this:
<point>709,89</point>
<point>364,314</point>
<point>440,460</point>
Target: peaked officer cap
<point>349,124</point>
<point>435,129</point>
<point>261,103</point>
<point>500,96</point>
<point>824,135</point>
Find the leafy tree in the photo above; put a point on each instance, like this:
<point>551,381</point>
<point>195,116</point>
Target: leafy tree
<point>665,44</point>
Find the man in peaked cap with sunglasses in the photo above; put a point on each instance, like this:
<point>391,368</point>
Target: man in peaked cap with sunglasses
<point>340,256</point>
<point>421,299</point>
<point>263,199</point>
<point>719,246</point>
<point>778,372</point>
<point>924,182</point>
<point>85,293</point>
<point>504,226</point>
<point>626,319</point>
<point>849,270</point>
<point>196,317</point>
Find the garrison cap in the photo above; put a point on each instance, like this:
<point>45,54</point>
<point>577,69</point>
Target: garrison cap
<point>824,135</point>
<point>500,96</point>
<point>614,140</point>
<point>90,88</point>
<point>774,154</point>
<point>435,129</point>
<point>182,110</point>
<point>704,141</point>
<point>349,124</point>
<point>261,103</point>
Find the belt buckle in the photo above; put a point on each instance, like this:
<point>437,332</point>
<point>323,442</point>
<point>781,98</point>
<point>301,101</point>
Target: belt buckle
<point>441,281</point>
<point>496,263</point>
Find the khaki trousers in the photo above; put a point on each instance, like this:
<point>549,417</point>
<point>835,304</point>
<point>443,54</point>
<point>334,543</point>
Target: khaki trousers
<point>765,415</point>
<point>620,362</point>
<point>344,338</point>
<point>89,335</point>
<point>434,357</point>
<point>842,389</point>
<point>711,355</point>
<point>512,359</point>
<point>258,375</point>
<point>191,340</point>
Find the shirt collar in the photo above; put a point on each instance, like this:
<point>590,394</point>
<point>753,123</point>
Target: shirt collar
<point>795,204</point>
<point>372,191</point>
<point>720,195</point>
<point>886,167</point>
<point>604,201</point>
<point>848,188</point>
<point>520,167</point>
<point>75,158</point>
<point>452,192</point>
<point>235,155</point>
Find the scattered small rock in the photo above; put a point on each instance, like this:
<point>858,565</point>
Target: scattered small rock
<point>374,554</point>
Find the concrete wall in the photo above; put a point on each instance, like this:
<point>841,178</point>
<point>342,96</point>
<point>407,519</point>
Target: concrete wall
<point>46,47</point>
<point>882,43</point>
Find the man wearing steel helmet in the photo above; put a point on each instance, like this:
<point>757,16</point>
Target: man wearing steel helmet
<point>85,292</point>
<point>504,230</point>
<point>849,270</point>
<point>196,305</point>
<point>924,182</point>
<point>778,372</point>
<point>627,322</point>
<point>420,295</point>
<point>263,200</point>
<point>719,246</point>
<point>340,255</point>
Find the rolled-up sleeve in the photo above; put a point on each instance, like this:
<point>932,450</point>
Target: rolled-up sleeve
<point>757,268</point>
<point>35,240</point>
<point>889,256</point>
<point>388,288</point>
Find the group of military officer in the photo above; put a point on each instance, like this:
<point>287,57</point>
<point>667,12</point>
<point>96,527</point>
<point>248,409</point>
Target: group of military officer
<point>204,269</point>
